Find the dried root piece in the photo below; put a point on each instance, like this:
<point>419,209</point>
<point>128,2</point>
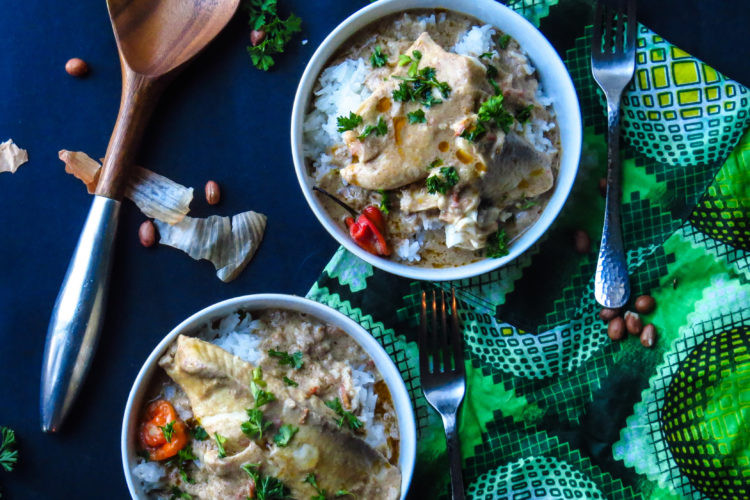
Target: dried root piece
<point>82,167</point>
<point>227,244</point>
<point>158,197</point>
<point>154,195</point>
<point>11,156</point>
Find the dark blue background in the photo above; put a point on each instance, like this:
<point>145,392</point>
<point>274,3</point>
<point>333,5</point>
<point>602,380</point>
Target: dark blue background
<point>223,120</point>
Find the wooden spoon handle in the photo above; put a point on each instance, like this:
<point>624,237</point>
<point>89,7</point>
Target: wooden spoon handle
<point>139,95</point>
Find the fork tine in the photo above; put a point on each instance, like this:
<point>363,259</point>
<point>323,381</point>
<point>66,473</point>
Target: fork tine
<point>424,351</point>
<point>608,26</point>
<point>434,344</point>
<point>596,36</point>
<point>619,31</point>
<point>632,27</point>
<point>443,339</point>
<point>456,335</point>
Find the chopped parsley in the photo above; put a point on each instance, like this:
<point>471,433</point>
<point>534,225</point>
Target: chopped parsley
<point>418,85</point>
<point>278,32</point>
<point>255,424</point>
<point>488,55</point>
<point>474,132</point>
<point>289,381</point>
<point>491,74</point>
<point>492,110</point>
<point>380,129</point>
<point>504,41</point>
<point>443,182</point>
<point>416,117</point>
<point>285,434</point>
<point>435,163</point>
<point>266,487</point>
<point>497,244</point>
<point>284,358</point>
<point>384,200</point>
<point>178,494</point>
<point>8,456</point>
<point>220,440</point>
<point>377,58</point>
<point>168,430</point>
<point>524,114</point>
<point>527,204</point>
<point>261,395</point>
<point>321,493</point>
<point>199,433</point>
<point>183,457</point>
<point>347,417</point>
<point>348,122</point>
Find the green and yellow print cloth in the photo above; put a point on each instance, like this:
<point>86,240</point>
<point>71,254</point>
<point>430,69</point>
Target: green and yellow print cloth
<point>554,409</point>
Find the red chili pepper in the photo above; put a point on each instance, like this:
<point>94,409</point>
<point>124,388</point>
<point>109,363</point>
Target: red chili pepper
<point>367,231</point>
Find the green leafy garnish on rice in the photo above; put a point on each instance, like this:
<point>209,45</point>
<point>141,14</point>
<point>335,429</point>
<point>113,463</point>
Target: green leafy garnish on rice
<point>347,417</point>
<point>348,122</point>
<point>377,58</point>
<point>285,434</point>
<point>380,129</point>
<point>497,244</point>
<point>444,182</point>
<point>416,117</point>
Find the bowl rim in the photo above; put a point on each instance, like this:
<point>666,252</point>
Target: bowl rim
<point>399,393</point>
<point>523,31</point>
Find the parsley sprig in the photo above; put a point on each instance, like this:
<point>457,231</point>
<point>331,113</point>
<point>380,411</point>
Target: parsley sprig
<point>377,58</point>
<point>199,433</point>
<point>443,182</point>
<point>416,117</point>
<point>261,395</point>
<point>385,199</point>
<point>220,442</point>
<point>348,122</point>
<point>284,358</point>
<point>266,487</point>
<point>8,455</point>
<point>490,111</point>
<point>285,434</point>
<point>497,244</point>
<point>321,493</point>
<point>347,417</point>
<point>181,460</point>
<point>177,494</point>
<point>255,424</point>
<point>381,128</point>
<point>289,381</point>
<point>418,85</point>
<point>168,430</point>
<point>278,32</point>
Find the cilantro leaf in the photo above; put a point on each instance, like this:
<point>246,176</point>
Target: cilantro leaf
<point>347,417</point>
<point>444,182</point>
<point>289,381</point>
<point>8,456</point>
<point>416,117</point>
<point>278,32</point>
<point>497,244</point>
<point>348,123</point>
<point>381,128</point>
<point>285,434</point>
<point>284,358</point>
<point>377,58</point>
<point>220,440</point>
<point>255,424</point>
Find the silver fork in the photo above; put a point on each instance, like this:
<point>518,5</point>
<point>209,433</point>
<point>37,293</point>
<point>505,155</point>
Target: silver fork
<point>612,66</point>
<point>441,368</point>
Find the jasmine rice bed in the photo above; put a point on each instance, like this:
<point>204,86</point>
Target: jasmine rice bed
<point>442,123</point>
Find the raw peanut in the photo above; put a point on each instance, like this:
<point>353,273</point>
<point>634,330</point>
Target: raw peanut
<point>645,304</point>
<point>633,323</point>
<point>603,187</point>
<point>147,233</point>
<point>616,328</point>
<point>257,36</point>
<point>76,67</point>
<point>648,335</point>
<point>213,195</point>
<point>607,314</point>
<point>581,241</point>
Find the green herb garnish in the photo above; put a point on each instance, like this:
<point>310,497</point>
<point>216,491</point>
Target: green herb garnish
<point>255,424</point>
<point>488,55</point>
<point>474,132</point>
<point>199,433</point>
<point>184,457</point>
<point>261,395</point>
<point>527,204</point>
<point>278,32</point>
<point>380,129</point>
<point>347,417</point>
<point>524,114</point>
<point>416,117</point>
<point>8,456</point>
<point>403,60</point>
<point>497,244</point>
<point>377,58</point>
<point>444,182</point>
<point>491,74</point>
<point>504,41</point>
<point>178,494</point>
<point>289,381</point>
<point>220,440</point>
<point>348,122</point>
<point>311,480</point>
<point>285,434</point>
<point>284,358</point>
<point>492,110</point>
<point>417,87</point>
<point>384,200</point>
<point>435,163</point>
<point>266,487</point>
<point>168,430</point>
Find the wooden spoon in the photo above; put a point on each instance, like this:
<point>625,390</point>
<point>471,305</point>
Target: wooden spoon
<point>155,39</point>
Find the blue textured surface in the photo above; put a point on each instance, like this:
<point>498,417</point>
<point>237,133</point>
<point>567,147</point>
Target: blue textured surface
<point>223,120</point>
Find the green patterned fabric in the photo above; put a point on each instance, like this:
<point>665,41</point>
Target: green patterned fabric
<point>554,409</point>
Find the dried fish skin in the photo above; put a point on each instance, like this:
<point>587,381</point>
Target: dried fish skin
<point>229,244</point>
<point>11,156</point>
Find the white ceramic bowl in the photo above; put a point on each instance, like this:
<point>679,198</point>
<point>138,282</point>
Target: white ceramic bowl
<point>555,80</point>
<point>391,375</point>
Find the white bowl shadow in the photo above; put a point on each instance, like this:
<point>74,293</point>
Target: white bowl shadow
<point>555,80</point>
<point>386,367</point>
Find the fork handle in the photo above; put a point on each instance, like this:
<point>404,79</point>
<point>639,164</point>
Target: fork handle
<point>611,285</point>
<point>453,445</point>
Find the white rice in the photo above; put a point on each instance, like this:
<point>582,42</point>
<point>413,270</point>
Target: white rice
<point>476,41</point>
<point>149,475</point>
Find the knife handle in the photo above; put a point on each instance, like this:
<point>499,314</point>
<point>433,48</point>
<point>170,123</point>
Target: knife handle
<point>78,314</point>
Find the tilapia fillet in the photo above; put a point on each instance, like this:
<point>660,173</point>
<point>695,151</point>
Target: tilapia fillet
<point>217,384</point>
